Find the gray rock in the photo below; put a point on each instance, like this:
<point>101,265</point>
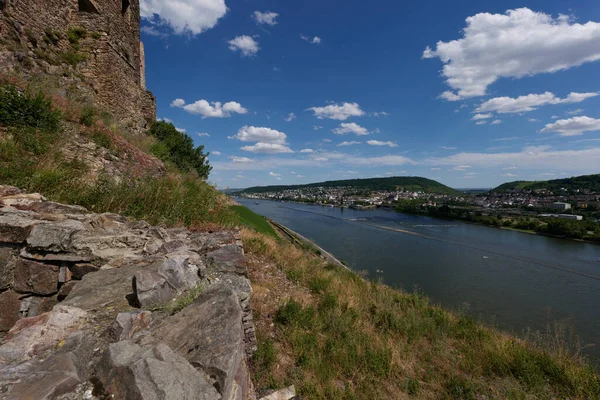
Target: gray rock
<point>55,237</point>
<point>239,284</point>
<point>56,257</point>
<point>8,190</point>
<point>208,333</point>
<point>128,324</point>
<point>32,306</point>
<point>228,259</point>
<point>34,277</point>
<point>129,371</point>
<point>49,207</point>
<point>66,289</point>
<point>178,272</point>
<point>10,310</point>
<point>15,227</point>
<point>151,289</point>
<point>171,246</point>
<point>78,271</point>
<point>288,393</point>
<point>7,267</point>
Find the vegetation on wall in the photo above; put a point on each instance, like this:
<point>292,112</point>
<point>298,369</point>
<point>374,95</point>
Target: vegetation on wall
<point>178,148</point>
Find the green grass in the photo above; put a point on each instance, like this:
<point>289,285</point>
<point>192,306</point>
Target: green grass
<point>253,221</point>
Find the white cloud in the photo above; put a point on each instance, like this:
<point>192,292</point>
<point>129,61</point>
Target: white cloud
<point>267,18</point>
<point>531,102</point>
<point>481,122</point>
<point>181,130</point>
<point>245,45</point>
<point>573,126</point>
<point>509,168</point>
<point>290,117</point>
<point>241,160</point>
<point>496,122</point>
<point>314,40</point>
<point>380,143</point>
<point>203,134</point>
<point>183,16</point>
<point>338,112</point>
<point>268,148</point>
<point>516,44</point>
<point>260,134</point>
<point>327,140</point>
<point>572,161</point>
<point>307,151</point>
<point>208,110</point>
<point>575,112</point>
<point>461,168</point>
<point>447,147</point>
<point>510,175</point>
<point>532,119</point>
<point>274,174</point>
<point>317,127</point>
<point>436,169</point>
<point>352,143</point>
<point>380,114</point>
<point>350,128</point>
<point>215,153</point>
<point>300,176</point>
<point>478,117</point>
<point>165,120</point>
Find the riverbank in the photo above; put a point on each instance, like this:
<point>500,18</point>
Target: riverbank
<point>335,335</point>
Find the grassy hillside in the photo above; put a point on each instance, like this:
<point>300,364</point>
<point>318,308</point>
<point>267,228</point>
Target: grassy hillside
<point>591,182</point>
<point>409,183</point>
<point>337,336</point>
<point>251,220</point>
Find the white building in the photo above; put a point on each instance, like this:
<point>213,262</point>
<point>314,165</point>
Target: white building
<point>561,206</point>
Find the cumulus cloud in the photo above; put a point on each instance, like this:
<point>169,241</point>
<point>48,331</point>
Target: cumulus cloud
<point>274,174</point>
<point>267,18</point>
<point>246,45</point>
<point>478,117</point>
<point>260,134</point>
<point>352,143</point>
<point>575,112</point>
<point>314,40</point>
<point>290,117</point>
<point>573,126</point>
<point>307,151</point>
<point>268,148</point>
<point>516,44</point>
<point>496,122</point>
<point>183,16</point>
<point>215,153</point>
<point>203,134</point>
<point>380,143</point>
<point>241,160</point>
<point>337,112</point>
<point>351,127</point>
<point>208,110</point>
<point>181,130</point>
<point>531,102</point>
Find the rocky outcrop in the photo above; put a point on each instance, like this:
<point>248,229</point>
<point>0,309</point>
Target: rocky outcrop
<point>87,307</point>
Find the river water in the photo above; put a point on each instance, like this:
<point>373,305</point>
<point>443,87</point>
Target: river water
<point>513,280</point>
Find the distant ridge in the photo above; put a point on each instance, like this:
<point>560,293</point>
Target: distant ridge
<point>591,182</point>
<point>408,183</point>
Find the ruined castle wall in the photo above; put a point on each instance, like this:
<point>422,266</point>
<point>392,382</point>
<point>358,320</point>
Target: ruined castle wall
<point>114,64</point>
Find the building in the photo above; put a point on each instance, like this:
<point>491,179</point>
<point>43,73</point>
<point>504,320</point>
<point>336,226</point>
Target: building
<point>91,44</point>
<point>561,206</point>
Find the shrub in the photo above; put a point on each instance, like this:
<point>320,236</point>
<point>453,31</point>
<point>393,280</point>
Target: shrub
<point>75,34</point>
<point>27,110</point>
<point>102,140</point>
<point>178,148</point>
<point>73,58</point>
<point>88,116</point>
<point>52,36</point>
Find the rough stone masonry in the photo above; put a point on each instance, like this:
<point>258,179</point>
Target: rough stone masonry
<point>87,307</point>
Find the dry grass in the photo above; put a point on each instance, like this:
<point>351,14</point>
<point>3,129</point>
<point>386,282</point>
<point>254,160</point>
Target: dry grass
<point>337,336</point>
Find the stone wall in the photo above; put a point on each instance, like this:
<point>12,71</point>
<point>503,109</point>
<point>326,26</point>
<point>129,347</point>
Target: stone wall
<point>114,63</point>
<point>94,306</point>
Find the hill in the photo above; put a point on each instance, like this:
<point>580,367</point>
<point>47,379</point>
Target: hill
<point>409,183</point>
<point>591,182</point>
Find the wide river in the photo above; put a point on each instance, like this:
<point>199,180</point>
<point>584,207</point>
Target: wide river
<point>514,280</point>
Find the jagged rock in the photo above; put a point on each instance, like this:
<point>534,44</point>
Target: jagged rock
<point>129,323</point>
<point>78,271</point>
<point>208,333</point>
<point>56,257</point>
<point>288,393</point>
<point>178,272</point>
<point>108,245</point>
<point>50,207</point>
<point>7,267</point>
<point>129,371</point>
<point>15,227</point>
<point>56,376</point>
<point>151,289</point>
<point>10,307</point>
<point>34,336</point>
<point>22,199</point>
<point>103,289</point>
<point>228,259</point>
<point>239,284</point>
<point>32,306</point>
<point>171,246</point>
<point>66,289</point>
<point>34,277</point>
<point>8,190</point>
<point>54,237</point>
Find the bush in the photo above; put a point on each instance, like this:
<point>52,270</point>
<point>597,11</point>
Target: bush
<point>73,58</point>
<point>27,110</point>
<point>102,140</point>
<point>75,34</point>
<point>178,148</point>
<point>88,116</point>
<point>52,36</point>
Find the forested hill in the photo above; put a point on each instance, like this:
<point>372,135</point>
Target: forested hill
<point>591,182</point>
<point>409,183</point>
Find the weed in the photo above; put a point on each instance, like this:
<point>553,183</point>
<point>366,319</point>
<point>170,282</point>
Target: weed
<point>88,116</point>
<point>411,386</point>
<point>73,58</point>
<point>75,34</point>
<point>102,139</point>
<point>95,35</point>
<point>51,36</point>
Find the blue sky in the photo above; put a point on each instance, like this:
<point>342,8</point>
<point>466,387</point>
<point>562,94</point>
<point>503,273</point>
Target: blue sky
<point>469,93</point>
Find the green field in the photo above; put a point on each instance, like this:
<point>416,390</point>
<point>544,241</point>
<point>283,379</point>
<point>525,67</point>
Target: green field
<point>253,221</point>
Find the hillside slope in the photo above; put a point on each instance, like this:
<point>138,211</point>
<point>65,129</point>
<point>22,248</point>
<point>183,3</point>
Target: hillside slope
<point>408,183</point>
<point>591,182</point>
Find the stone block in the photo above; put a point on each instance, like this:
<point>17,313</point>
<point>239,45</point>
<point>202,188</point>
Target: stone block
<point>228,259</point>
<point>36,278</point>
<point>55,237</point>
<point>151,289</point>
<point>128,324</point>
<point>7,267</point>
<point>10,307</point>
<point>78,271</point>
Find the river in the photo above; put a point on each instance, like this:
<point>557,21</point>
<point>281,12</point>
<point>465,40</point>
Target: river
<point>513,280</point>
